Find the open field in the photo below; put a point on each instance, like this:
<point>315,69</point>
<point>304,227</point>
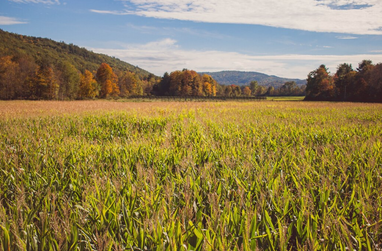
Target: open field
<point>102,175</point>
<point>286,98</point>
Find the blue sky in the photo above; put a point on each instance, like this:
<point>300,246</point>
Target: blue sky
<point>286,38</point>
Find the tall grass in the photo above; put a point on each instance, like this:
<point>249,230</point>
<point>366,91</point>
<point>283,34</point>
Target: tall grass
<point>208,176</point>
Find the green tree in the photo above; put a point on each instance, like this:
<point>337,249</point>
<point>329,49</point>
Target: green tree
<point>253,86</point>
<point>270,90</point>
<point>69,81</point>
<point>288,88</point>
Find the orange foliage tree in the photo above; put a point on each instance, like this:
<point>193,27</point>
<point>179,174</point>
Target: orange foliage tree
<point>8,77</point>
<point>107,80</point>
<point>186,83</point>
<point>209,85</point>
<point>247,91</point>
<point>320,85</point>
<point>44,85</point>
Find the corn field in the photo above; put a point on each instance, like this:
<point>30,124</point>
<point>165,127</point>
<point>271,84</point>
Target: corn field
<point>102,175</point>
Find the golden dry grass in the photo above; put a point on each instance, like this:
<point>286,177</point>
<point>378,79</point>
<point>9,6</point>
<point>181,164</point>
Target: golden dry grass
<point>24,109</point>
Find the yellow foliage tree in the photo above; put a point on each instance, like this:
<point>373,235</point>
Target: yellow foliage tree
<point>211,89</point>
<point>88,86</point>
<point>247,91</point>
<point>107,80</point>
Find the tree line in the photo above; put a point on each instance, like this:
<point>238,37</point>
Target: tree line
<point>289,88</point>
<point>362,85</point>
<point>23,78</point>
<point>190,83</point>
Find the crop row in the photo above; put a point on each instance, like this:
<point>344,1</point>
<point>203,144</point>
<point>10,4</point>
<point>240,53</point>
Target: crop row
<point>241,177</point>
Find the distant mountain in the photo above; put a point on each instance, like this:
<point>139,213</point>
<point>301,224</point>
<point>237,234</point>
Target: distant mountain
<point>244,78</point>
<point>12,44</point>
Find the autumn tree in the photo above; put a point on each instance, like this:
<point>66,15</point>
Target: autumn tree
<point>148,83</point>
<point>130,84</point>
<point>228,91</point>
<point>88,86</point>
<point>236,90</point>
<point>247,91</point>
<point>319,85</point>
<point>26,75</point>
<point>364,84</point>
<point>343,79</point>
<point>108,80</point>
<point>184,83</point>
<point>209,85</point>
<point>44,85</point>
<point>8,77</point>
<point>376,83</point>
<point>360,88</point>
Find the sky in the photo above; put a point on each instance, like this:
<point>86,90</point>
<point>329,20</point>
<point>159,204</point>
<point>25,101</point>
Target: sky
<point>287,38</point>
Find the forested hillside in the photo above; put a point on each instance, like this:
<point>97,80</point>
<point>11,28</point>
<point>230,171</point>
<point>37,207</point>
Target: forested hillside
<point>54,53</point>
<point>40,68</point>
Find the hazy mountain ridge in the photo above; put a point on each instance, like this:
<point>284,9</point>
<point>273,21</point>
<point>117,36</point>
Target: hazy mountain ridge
<point>244,78</point>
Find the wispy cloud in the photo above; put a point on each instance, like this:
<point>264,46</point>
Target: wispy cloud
<point>168,31</point>
<point>311,15</point>
<point>109,12</point>
<point>346,37</point>
<point>376,51</point>
<point>10,21</point>
<point>50,2</point>
<point>165,55</point>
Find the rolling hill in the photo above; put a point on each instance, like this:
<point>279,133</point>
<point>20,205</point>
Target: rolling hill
<point>12,44</point>
<point>244,78</point>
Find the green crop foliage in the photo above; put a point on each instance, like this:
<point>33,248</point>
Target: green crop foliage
<point>193,176</point>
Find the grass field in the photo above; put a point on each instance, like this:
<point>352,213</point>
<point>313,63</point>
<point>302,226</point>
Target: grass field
<point>286,98</point>
<point>102,175</point>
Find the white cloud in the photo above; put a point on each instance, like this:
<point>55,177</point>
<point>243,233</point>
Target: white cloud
<point>346,37</point>
<point>10,21</point>
<point>108,12</point>
<point>164,55</point>
<point>311,15</point>
<point>37,1</point>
